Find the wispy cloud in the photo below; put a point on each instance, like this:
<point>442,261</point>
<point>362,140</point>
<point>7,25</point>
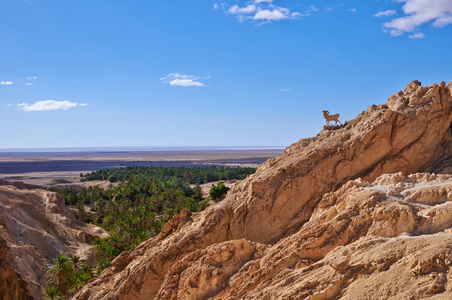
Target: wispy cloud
<point>331,8</point>
<point>32,77</point>
<point>418,12</point>
<point>242,10</point>
<point>261,10</point>
<point>351,9</point>
<point>28,83</point>
<point>284,90</point>
<point>6,82</point>
<point>418,35</point>
<point>385,13</point>
<point>275,14</point>
<point>178,79</point>
<point>313,8</point>
<point>49,105</point>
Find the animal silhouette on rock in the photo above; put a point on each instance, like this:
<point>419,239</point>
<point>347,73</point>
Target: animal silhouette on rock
<point>330,118</point>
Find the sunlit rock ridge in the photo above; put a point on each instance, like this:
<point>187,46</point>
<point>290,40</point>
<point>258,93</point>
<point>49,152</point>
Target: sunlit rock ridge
<point>361,212</point>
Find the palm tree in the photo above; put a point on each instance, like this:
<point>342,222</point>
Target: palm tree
<point>84,274</point>
<point>60,274</point>
<point>76,262</point>
<point>86,269</point>
<point>52,293</point>
<point>83,278</point>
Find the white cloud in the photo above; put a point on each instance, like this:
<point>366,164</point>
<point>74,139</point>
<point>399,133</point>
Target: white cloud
<point>313,8</point>
<point>385,13</point>
<point>185,82</point>
<point>178,79</point>
<point>242,10</point>
<point>83,104</point>
<point>31,77</point>
<point>9,105</point>
<point>270,15</point>
<point>48,105</point>
<point>284,90</point>
<point>332,7</point>
<point>6,82</point>
<point>263,10</point>
<point>418,12</point>
<point>418,35</point>
<point>351,9</point>
<point>28,83</point>
<point>215,6</point>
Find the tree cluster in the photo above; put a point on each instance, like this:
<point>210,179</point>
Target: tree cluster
<point>190,175</point>
<point>64,275</point>
<point>140,203</point>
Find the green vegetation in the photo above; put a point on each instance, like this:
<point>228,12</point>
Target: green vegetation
<point>65,275</point>
<point>141,202</point>
<point>189,175</point>
<point>52,294</point>
<point>218,191</point>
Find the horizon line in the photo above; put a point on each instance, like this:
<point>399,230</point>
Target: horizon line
<point>136,148</point>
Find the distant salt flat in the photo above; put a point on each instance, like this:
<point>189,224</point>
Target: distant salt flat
<point>43,167</point>
<point>133,149</point>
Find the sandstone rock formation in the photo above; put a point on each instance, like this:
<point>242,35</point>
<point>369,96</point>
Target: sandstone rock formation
<point>320,222</point>
<point>35,227</point>
<point>12,286</point>
<point>361,238</point>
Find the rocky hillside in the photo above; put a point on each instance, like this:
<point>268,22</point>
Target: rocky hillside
<point>35,227</point>
<point>320,222</point>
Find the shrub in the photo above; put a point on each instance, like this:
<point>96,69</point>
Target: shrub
<point>218,191</point>
<point>112,178</point>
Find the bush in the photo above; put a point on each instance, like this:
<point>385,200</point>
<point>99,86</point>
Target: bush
<point>197,192</point>
<point>218,191</point>
<point>112,178</point>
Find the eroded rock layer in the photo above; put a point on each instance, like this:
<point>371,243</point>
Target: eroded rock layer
<point>311,223</point>
<point>35,227</point>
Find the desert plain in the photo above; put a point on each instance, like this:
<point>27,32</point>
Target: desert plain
<point>57,168</point>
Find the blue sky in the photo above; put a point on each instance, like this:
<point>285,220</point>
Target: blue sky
<point>207,73</point>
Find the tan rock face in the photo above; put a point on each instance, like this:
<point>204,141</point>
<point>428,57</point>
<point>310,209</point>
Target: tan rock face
<point>35,227</point>
<point>300,208</point>
<point>203,273</point>
<point>12,286</point>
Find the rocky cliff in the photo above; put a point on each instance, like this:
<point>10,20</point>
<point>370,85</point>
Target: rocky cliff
<point>320,222</point>
<point>35,227</point>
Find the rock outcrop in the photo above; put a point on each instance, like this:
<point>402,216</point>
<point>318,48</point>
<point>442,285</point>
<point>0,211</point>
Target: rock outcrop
<point>35,227</point>
<point>12,286</point>
<point>357,234</point>
<point>320,222</point>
